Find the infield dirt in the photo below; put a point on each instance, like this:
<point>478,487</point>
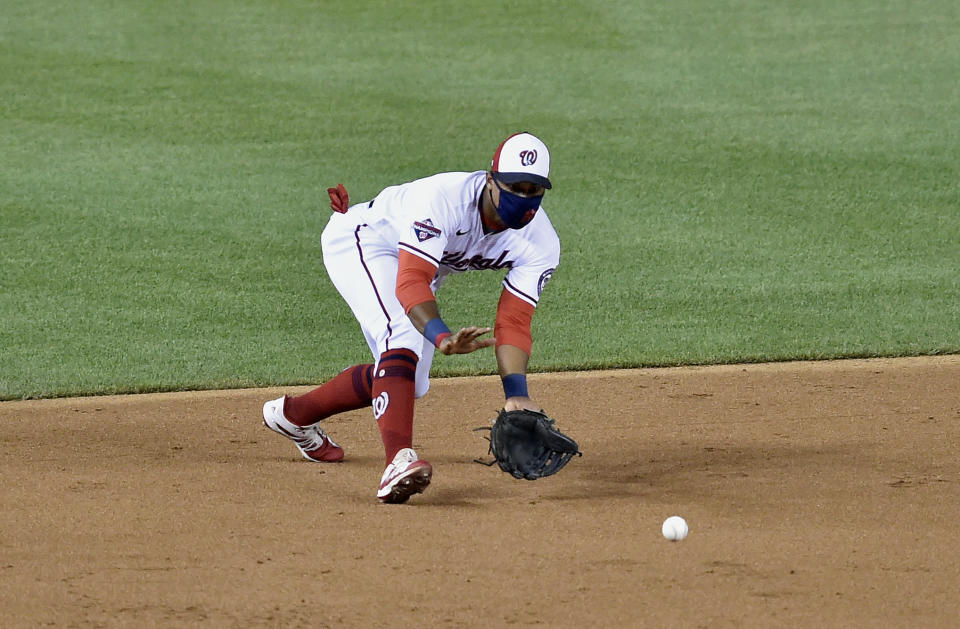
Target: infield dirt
<point>819,494</point>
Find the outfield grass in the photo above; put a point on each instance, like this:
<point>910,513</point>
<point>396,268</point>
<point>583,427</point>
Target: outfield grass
<point>735,181</point>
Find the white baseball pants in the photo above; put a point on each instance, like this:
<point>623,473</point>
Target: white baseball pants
<point>364,271</point>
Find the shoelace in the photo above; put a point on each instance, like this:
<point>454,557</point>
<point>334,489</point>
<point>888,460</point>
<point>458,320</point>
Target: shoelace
<point>312,439</point>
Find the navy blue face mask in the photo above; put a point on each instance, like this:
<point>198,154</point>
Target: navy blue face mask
<point>514,210</point>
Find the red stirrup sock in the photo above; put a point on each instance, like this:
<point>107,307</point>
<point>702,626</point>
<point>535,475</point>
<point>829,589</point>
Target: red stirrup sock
<point>348,390</point>
<point>393,393</point>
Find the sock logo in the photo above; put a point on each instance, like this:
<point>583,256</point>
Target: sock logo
<point>380,404</point>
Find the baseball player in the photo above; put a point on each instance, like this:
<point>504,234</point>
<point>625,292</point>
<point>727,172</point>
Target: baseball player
<point>387,257</point>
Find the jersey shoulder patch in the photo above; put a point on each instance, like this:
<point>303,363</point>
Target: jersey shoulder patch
<point>544,278</point>
<point>425,230</point>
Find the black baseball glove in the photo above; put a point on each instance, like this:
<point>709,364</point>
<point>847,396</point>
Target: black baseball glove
<point>527,445</point>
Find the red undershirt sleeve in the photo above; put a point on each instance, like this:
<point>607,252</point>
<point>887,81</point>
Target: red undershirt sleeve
<point>413,280</point>
<point>513,322</point>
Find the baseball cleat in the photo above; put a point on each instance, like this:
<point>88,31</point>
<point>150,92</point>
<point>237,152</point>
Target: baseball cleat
<point>405,476</point>
<point>314,444</point>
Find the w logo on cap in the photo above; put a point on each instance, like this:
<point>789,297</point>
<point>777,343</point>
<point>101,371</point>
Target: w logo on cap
<point>522,157</point>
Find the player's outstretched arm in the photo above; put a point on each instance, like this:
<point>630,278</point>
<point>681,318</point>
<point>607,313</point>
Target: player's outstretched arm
<point>413,292</point>
<point>425,317</point>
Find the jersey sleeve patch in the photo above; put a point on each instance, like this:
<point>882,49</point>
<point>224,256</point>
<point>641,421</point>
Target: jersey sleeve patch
<point>544,278</point>
<point>425,230</point>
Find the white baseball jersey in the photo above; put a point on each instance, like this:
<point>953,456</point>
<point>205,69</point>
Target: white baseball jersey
<point>438,219</point>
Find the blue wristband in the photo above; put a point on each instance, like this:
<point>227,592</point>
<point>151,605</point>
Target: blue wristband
<point>515,385</point>
<point>436,330</point>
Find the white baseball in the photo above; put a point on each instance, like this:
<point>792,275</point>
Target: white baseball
<point>675,528</point>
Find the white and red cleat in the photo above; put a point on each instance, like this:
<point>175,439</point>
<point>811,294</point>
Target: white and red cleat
<point>405,476</point>
<point>313,443</point>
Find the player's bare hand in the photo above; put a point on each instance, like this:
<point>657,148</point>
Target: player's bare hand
<point>521,403</point>
<point>466,341</point>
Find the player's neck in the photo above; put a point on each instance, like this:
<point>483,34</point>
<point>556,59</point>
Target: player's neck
<point>486,209</point>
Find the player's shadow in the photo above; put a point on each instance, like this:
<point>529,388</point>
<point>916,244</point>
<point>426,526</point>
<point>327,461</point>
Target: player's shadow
<point>692,470</point>
<point>474,498</point>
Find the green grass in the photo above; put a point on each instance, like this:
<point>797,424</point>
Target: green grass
<point>735,181</point>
